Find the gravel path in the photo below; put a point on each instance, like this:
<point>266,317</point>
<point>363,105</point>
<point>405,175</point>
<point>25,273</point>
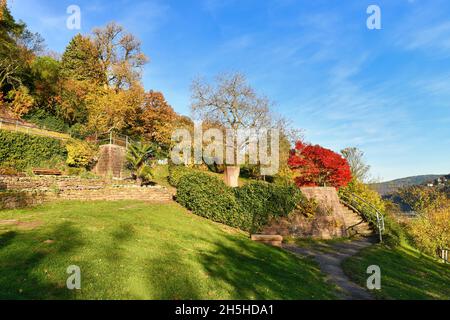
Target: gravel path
<point>329,257</point>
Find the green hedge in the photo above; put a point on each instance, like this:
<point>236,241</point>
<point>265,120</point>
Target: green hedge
<point>21,151</point>
<point>209,197</point>
<point>263,201</point>
<point>248,207</point>
<point>176,173</point>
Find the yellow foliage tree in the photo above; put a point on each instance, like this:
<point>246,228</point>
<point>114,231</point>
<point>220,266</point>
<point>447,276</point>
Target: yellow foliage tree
<point>21,101</point>
<point>431,231</point>
<point>108,109</point>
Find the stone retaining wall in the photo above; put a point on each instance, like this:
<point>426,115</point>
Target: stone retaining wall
<point>329,223</point>
<point>52,183</point>
<point>16,192</point>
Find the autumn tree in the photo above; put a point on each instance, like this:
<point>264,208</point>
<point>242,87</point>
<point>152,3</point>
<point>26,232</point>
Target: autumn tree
<point>233,104</point>
<point>317,166</point>
<point>109,109</point>
<point>13,65</point>
<point>155,120</point>
<point>2,7</point>
<point>120,55</point>
<point>80,61</point>
<point>20,101</point>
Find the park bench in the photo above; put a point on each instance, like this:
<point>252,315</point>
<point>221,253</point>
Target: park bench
<point>46,172</point>
<point>273,240</point>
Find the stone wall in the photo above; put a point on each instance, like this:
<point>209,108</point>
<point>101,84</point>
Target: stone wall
<point>16,192</point>
<point>330,222</point>
<point>111,161</point>
<point>51,183</point>
<point>20,199</point>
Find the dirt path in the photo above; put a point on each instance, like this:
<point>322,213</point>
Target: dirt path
<point>329,257</point>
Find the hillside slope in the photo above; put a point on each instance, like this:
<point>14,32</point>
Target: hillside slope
<point>136,250</point>
<point>384,188</point>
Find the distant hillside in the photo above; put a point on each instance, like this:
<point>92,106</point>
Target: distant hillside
<point>387,187</point>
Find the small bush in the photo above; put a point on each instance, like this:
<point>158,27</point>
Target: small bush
<point>21,151</point>
<point>307,207</point>
<point>80,154</point>
<point>209,197</point>
<point>395,234</point>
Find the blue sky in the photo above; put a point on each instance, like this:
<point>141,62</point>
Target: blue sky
<point>385,91</point>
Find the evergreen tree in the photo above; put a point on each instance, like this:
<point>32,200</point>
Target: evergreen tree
<point>80,61</point>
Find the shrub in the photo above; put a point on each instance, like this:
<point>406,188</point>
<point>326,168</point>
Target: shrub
<point>394,234</point>
<point>22,151</point>
<point>307,207</point>
<point>264,201</point>
<point>139,157</point>
<point>209,197</point>
<point>176,173</point>
<point>431,231</point>
<point>80,154</point>
<point>249,207</point>
<point>362,190</point>
<point>254,200</point>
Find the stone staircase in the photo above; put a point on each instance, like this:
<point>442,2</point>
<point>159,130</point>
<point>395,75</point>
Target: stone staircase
<point>355,224</point>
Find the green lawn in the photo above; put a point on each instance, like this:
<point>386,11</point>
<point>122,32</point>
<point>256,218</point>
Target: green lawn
<point>405,273</point>
<point>135,250</point>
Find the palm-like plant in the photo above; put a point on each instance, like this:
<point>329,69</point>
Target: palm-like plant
<point>138,160</point>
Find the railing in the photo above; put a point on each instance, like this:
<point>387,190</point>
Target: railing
<point>365,209</point>
<point>443,254</point>
<point>18,126</point>
<point>113,138</point>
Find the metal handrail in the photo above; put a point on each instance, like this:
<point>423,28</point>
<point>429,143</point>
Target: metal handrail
<point>350,199</point>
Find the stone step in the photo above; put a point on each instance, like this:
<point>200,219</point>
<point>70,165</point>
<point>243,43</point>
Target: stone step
<point>355,223</point>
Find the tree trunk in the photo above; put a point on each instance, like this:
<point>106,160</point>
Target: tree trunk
<point>232,176</point>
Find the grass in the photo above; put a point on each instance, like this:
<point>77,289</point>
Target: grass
<point>405,273</point>
<point>136,250</point>
<point>35,131</point>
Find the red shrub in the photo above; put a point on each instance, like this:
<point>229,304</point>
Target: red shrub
<point>318,166</point>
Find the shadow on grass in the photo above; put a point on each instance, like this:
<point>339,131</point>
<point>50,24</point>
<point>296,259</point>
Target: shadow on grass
<point>406,274</point>
<point>256,271</point>
<point>24,259</point>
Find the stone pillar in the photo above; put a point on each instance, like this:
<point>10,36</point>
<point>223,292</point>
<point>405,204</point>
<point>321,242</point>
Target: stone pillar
<point>111,161</point>
<point>232,176</point>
